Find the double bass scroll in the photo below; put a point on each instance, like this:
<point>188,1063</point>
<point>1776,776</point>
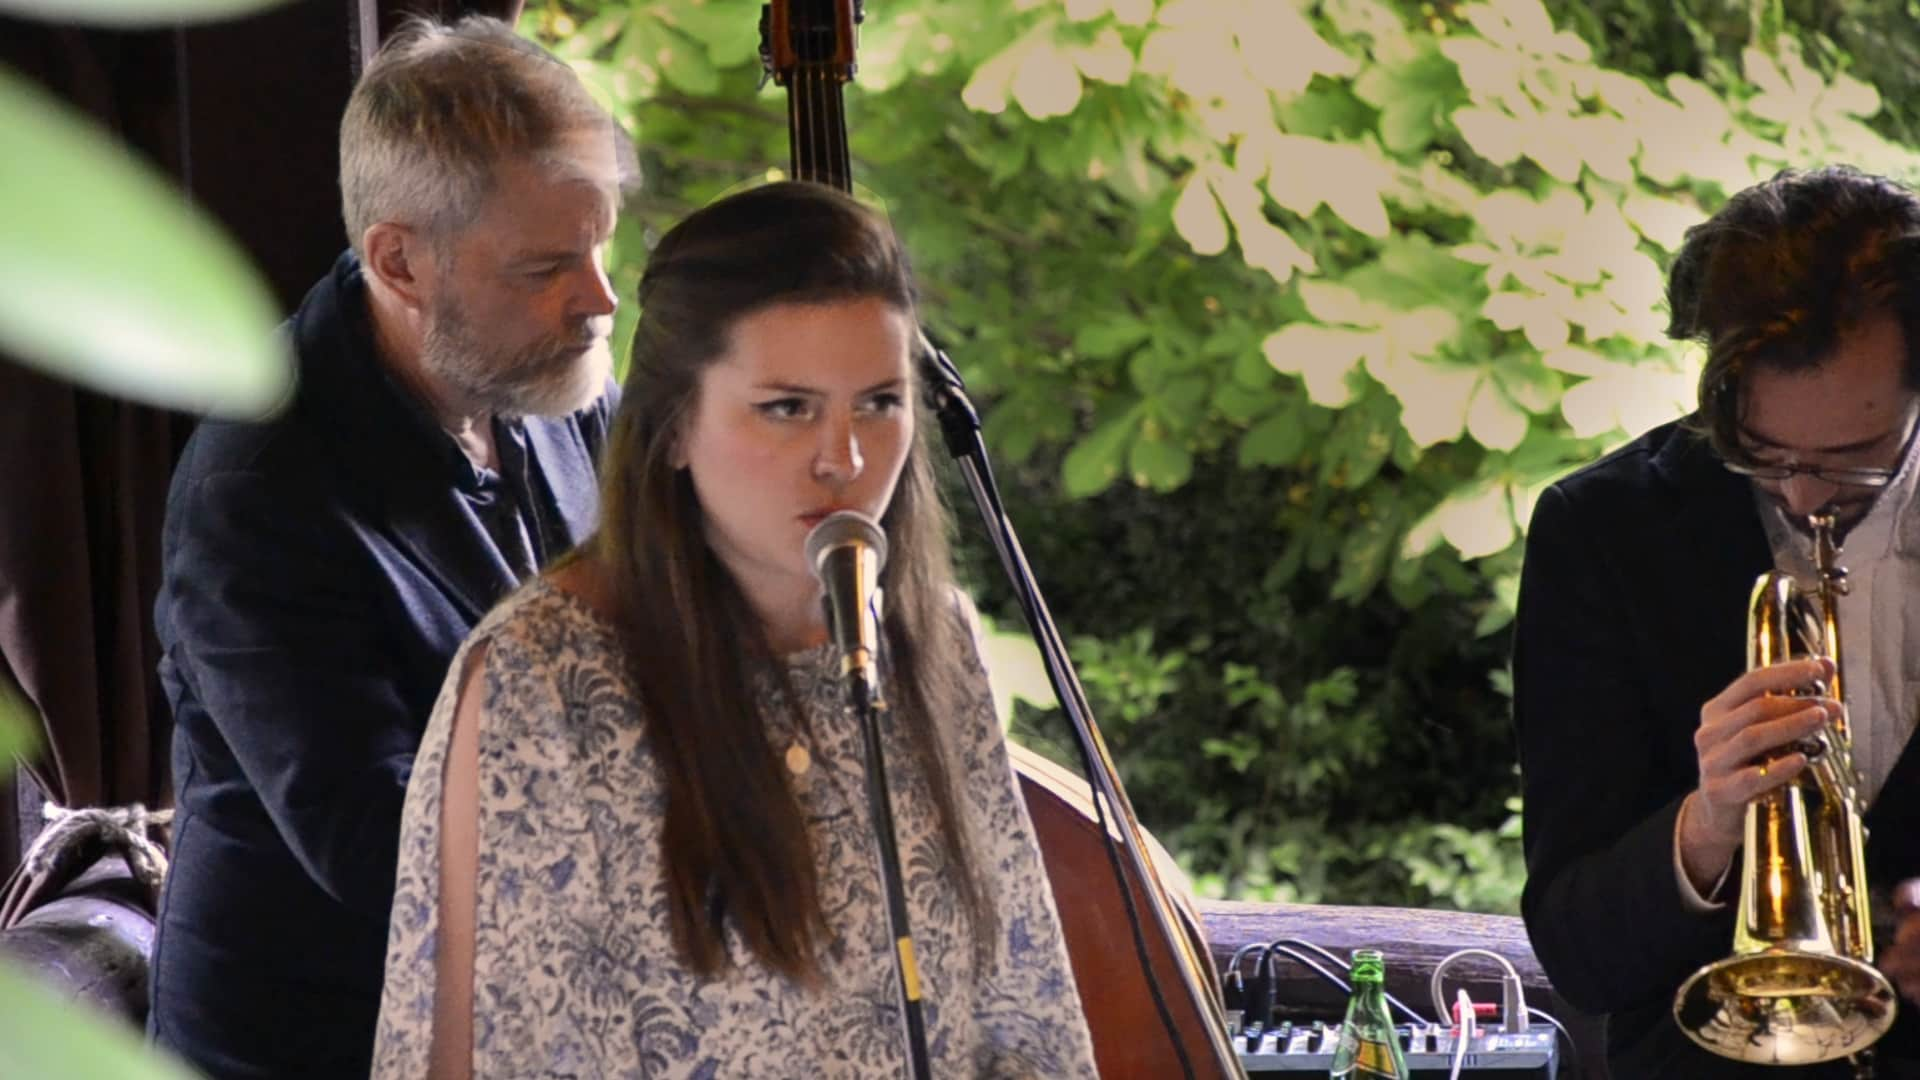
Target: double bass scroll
<point>807,46</point>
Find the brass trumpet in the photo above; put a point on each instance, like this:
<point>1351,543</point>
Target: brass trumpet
<point>1800,987</point>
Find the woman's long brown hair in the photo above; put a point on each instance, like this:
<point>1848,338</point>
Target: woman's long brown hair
<point>736,848</point>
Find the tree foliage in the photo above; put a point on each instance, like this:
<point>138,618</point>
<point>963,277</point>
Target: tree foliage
<point>1283,313</point>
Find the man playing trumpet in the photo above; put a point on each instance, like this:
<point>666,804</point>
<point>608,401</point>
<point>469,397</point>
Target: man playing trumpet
<point>1643,735</point>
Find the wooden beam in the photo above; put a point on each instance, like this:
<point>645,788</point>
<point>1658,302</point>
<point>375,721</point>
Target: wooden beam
<point>1414,941</point>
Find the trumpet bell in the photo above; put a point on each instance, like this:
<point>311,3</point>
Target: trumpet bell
<point>1785,1007</point>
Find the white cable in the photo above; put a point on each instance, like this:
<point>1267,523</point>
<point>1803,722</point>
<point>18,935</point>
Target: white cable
<point>1469,1027</point>
<point>1573,1048</point>
<point>1513,998</point>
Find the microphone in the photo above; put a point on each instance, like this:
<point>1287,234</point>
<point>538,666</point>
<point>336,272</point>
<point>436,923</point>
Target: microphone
<point>846,551</point>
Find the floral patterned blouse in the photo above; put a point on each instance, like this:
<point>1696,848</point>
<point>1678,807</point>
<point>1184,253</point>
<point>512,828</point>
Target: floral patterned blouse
<point>575,973</point>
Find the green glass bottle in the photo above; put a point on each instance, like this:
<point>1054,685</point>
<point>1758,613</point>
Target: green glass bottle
<point>1369,1048</point>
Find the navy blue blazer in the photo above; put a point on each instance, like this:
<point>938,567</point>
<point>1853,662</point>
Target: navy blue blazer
<point>320,569</point>
<point>1632,614</point>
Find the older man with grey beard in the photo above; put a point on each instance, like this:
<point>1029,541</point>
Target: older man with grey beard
<point>321,568</point>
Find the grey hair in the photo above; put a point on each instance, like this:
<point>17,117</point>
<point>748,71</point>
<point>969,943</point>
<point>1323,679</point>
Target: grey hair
<point>438,108</point>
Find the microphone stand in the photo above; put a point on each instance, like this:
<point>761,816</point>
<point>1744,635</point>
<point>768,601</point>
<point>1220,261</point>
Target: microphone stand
<point>867,705</point>
<point>960,425</point>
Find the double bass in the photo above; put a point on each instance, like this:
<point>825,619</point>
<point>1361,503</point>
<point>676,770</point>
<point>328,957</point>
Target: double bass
<point>1139,957</point>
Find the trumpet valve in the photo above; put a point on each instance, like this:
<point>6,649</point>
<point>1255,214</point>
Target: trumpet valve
<point>1815,746</point>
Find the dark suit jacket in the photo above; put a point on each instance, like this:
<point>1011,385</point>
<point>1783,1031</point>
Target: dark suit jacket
<point>1632,615</point>
<point>320,569</point>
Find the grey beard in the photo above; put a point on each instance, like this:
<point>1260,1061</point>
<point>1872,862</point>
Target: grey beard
<point>547,379</point>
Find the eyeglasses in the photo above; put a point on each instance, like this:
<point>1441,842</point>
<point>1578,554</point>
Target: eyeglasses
<point>1853,476</point>
<point>1858,477</point>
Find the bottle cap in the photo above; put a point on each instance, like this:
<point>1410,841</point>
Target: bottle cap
<point>1368,966</point>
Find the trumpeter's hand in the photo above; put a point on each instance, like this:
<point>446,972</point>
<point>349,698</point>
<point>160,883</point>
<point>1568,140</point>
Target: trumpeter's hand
<point>1739,742</point>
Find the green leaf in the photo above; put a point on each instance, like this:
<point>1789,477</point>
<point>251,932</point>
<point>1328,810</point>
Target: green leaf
<point>1160,464</point>
<point>135,12</point>
<point>1361,440</point>
<point>606,82</point>
<point>1182,400</point>
<point>1411,272</point>
<point>1364,559</point>
<point>637,54</point>
<point>1094,463</point>
<point>1500,609</point>
<point>109,278</point>
<point>1241,404</point>
<point>1002,153</point>
<point>1410,588</point>
<point>730,39</point>
<point>1018,671</point>
<point>1287,566</point>
<point>1104,339</point>
<point>1252,369</point>
<point>18,725</point>
<point>1065,160</point>
<point>1501,680</point>
<point>686,65</point>
<point>1153,222</point>
<point>1013,439</point>
<point>588,37</point>
<point>1239,753</point>
<point>1411,97</point>
<point>1545,453</point>
<point>1276,441</point>
<point>1326,111</point>
<point>1531,384</point>
<point>1231,340</point>
<point>1409,125</point>
<point>43,1035</point>
<point>1019,422</point>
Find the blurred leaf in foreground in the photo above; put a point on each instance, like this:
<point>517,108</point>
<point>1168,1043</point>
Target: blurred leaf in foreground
<point>43,1035</point>
<point>110,279</point>
<point>134,12</point>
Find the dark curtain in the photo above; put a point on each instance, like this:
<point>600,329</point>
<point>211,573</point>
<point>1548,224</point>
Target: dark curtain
<point>79,559</point>
<point>81,562</point>
<point>82,492</point>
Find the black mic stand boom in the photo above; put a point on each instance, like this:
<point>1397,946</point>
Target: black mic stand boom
<point>960,426</point>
